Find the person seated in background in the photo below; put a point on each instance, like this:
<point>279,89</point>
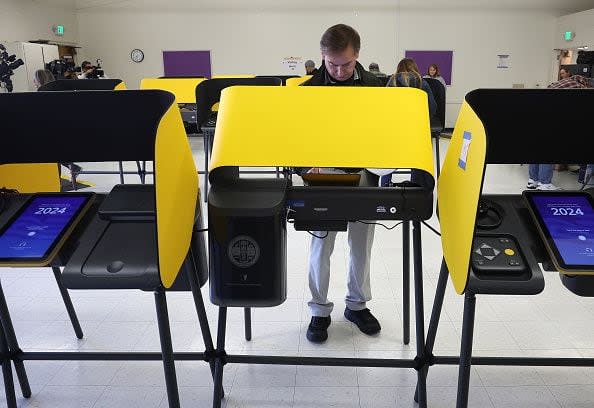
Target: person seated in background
<point>310,68</point>
<point>374,69</point>
<point>407,75</point>
<point>42,77</point>
<point>433,72</point>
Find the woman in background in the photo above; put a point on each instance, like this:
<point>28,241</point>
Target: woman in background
<point>42,77</point>
<point>407,75</point>
<point>433,72</point>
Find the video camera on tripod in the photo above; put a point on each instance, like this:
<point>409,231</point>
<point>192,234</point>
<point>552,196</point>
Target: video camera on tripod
<point>60,67</point>
<point>8,63</point>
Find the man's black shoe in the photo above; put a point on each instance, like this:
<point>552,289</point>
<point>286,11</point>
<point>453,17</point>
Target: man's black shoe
<point>364,320</point>
<point>317,331</point>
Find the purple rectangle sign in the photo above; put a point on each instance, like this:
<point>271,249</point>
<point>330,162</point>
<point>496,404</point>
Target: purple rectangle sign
<point>186,63</point>
<point>443,59</point>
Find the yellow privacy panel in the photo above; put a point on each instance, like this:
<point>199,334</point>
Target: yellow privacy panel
<point>323,127</point>
<point>184,89</point>
<point>30,178</point>
<point>176,190</point>
<point>458,191</point>
<point>297,81</point>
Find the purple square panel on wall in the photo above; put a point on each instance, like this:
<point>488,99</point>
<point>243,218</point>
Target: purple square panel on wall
<point>186,63</point>
<point>443,59</point>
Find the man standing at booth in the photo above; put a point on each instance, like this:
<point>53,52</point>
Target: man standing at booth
<point>340,46</point>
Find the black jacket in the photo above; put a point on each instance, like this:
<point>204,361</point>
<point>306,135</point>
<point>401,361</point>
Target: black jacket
<point>366,78</point>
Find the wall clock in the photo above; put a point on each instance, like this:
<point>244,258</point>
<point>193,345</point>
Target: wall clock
<point>137,55</point>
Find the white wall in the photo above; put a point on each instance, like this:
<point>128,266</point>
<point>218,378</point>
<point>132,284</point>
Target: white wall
<point>582,24</point>
<point>24,20</point>
<point>245,41</point>
<point>477,37</point>
<point>240,41</point>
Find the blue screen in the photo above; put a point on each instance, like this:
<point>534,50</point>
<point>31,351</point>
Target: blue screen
<point>570,221</point>
<point>35,230</point>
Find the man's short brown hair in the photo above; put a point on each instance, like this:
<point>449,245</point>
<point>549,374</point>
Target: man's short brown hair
<point>338,38</point>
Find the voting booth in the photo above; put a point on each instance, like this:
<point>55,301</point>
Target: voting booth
<point>493,244</point>
<point>145,237</point>
<point>184,89</point>
<point>325,127</point>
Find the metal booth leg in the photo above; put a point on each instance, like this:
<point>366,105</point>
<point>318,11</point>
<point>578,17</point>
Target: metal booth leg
<point>202,318</point>
<point>219,363</point>
<point>167,349</point>
<point>206,138</point>
<point>419,312</point>
<point>466,350</point>
<point>140,170</point>
<point>144,172</point>
<point>437,160</point>
<point>406,282</point>
<point>13,345</point>
<point>72,176</point>
<point>435,314</point>
<point>7,371</point>
<point>68,303</point>
<point>121,166</point>
<point>247,314</point>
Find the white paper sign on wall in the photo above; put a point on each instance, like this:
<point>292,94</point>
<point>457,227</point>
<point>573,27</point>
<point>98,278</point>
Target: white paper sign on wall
<point>504,61</point>
<point>293,64</point>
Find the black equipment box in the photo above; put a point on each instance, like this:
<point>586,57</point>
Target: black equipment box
<point>248,243</point>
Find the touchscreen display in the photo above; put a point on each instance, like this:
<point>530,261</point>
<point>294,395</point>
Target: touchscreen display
<point>570,223</point>
<point>33,233</point>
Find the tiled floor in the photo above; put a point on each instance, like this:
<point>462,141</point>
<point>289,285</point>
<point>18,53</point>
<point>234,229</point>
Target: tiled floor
<point>555,323</point>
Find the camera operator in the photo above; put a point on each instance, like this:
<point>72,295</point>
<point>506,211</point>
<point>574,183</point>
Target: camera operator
<point>70,74</point>
<point>89,71</point>
<point>86,70</point>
